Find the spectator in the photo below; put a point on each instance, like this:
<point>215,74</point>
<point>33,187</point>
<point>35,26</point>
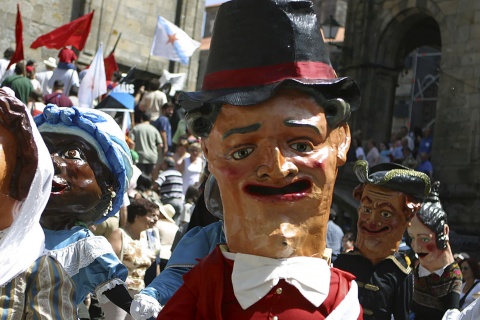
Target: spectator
<point>408,159</point>
<point>35,103</point>
<point>405,135</point>
<point>44,76</point>
<point>357,145</point>
<point>167,229</point>
<point>192,167</point>
<point>373,156</point>
<point>67,58</point>
<point>68,76</point>
<point>426,142</point>
<point>153,100</point>
<point>57,97</point>
<point>20,84</point>
<point>131,246</point>
<point>4,62</point>
<point>425,165</point>
<point>334,235</point>
<point>181,151</point>
<point>169,186</point>
<point>471,285</point>
<point>191,198</point>
<point>348,242</point>
<point>165,128</point>
<point>37,87</point>
<point>148,143</point>
<point>73,95</point>
<point>385,153</point>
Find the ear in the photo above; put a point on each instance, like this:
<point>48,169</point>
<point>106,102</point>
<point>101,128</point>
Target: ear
<point>203,143</point>
<point>341,138</point>
<point>446,230</point>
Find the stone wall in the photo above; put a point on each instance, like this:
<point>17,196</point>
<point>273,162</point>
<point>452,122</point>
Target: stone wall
<point>378,36</point>
<point>134,19</point>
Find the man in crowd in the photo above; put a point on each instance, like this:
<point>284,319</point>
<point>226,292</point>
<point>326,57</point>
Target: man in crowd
<point>57,97</point>
<point>19,83</point>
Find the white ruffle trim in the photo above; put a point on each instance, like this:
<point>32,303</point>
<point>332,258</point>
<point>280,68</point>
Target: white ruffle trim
<point>81,253</point>
<point>105,286</point>
<point>144,307</point>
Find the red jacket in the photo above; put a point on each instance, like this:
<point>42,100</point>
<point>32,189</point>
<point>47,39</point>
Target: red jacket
<point>207,294</point>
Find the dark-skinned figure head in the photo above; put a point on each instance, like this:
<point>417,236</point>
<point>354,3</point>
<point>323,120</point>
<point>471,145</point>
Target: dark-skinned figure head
<point>433,216</point>
<point>92,166</point>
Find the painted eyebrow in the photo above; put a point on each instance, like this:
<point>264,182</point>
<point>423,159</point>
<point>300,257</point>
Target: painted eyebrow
<point>300,123</point>
<point>241,130</point>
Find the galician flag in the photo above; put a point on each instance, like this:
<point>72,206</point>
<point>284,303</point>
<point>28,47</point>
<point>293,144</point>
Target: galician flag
<point>94,83</point>
<point>172,43</point>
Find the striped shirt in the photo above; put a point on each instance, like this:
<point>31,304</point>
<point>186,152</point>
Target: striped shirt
<point>43,291</point>
<point>170,183</point>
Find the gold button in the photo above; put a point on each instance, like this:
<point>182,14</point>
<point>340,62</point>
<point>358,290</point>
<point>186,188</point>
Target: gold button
<point>275,318</point>
<point>279,291</point>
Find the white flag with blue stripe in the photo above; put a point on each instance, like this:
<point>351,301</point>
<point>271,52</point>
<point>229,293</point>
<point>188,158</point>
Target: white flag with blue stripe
<point>172,43</point>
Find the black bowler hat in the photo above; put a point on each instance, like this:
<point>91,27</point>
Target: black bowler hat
<point>395,177</point>
<point>258,46</point>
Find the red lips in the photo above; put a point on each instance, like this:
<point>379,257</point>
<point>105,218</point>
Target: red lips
<point>59,185</point>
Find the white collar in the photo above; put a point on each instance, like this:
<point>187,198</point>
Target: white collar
<point>423,272</point>
<point>254,276</point>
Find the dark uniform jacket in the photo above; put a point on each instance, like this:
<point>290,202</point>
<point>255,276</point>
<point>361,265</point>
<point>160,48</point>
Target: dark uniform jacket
<point>384,289</point>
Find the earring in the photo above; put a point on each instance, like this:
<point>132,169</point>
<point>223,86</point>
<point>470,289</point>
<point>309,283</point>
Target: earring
<point>110,205</point>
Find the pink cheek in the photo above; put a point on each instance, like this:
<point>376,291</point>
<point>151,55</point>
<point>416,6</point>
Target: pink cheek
<point>430,247</point>
<point>231,172</point>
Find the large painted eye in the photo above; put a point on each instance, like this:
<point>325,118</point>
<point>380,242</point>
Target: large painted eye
<point>242,153</point>
<point>366,210</point>
<point>73,154</point>
<point>301,147</point>
<point>386,214</point>
<point>425,239</point>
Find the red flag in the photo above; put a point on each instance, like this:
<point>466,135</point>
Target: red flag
<point>18,55</point>
<point>74,33</point>
<point>110,65</point>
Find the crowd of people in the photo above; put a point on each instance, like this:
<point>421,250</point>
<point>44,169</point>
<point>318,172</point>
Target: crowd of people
<point>218,204</point>
<point>411,149</point>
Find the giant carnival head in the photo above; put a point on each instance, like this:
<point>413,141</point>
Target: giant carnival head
<point>272,115</point>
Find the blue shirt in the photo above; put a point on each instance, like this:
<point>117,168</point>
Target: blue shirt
<point>163,124</point>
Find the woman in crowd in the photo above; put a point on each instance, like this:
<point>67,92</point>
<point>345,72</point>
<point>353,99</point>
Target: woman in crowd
<point>192,167</point>
<point>471,285</point>
<point>32,285</point>
<point>181,151</point>
<point>92,166</point>
<point>130,244</point>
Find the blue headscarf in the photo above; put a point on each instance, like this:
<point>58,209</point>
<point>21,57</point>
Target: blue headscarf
<point>103,133</point>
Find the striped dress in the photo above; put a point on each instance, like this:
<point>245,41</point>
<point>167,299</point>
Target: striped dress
<point>43,291</point>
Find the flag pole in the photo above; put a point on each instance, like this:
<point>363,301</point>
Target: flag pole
<point>116,42</point>
<point>148,61</point>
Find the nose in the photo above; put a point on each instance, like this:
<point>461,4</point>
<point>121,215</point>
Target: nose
<point>275,165</point>
<point>374,221</point>
<point>416,245</point>
<point>57,162</point>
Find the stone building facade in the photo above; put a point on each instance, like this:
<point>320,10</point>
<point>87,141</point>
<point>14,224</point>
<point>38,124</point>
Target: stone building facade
<point>135,20</point>
<point>379,36</point>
